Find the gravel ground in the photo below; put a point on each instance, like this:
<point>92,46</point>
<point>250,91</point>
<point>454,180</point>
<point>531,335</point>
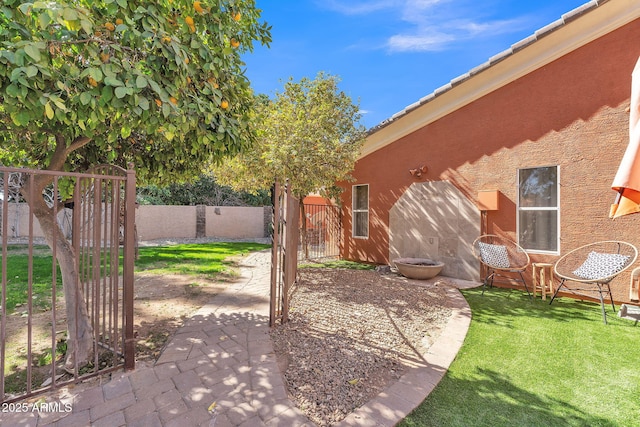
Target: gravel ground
<point>351,334</point>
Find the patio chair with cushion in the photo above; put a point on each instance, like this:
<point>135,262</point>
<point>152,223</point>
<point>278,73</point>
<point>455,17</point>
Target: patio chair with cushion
<point>500,255</point>
<point>592,267</point>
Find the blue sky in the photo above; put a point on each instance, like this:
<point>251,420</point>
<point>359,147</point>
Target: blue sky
<point>390,53</point>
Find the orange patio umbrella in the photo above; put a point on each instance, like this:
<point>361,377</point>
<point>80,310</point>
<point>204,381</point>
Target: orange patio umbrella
<point>627,179</point>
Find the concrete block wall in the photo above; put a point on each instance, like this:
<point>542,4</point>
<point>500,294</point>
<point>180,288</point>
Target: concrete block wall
<point>167,222</point>
<point>234,222</point>
<point>18,221</point>
<point>225,222</point>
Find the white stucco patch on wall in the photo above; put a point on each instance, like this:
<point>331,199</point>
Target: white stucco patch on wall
<point>436,220</point>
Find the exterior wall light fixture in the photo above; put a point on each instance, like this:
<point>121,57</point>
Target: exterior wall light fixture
<point>417,172</point>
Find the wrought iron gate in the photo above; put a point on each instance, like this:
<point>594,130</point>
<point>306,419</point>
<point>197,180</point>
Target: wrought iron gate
<point>284,258</point>
<point>322,231</point>
<point>102,212</point>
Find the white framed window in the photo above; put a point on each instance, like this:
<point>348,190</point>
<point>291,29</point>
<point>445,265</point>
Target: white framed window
<point>539,209</point>
<point>360,209</point>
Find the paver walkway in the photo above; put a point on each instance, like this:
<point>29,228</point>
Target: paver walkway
<point>223,354</point>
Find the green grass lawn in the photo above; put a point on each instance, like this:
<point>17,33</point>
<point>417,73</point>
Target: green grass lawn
<point>211,260</point>
<point>18,277</point>
<point>336,264</point>
<point>206,259</point>
<point>533,364</point>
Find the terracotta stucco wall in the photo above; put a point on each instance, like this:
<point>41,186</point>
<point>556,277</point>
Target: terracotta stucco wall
<point>571,113</point>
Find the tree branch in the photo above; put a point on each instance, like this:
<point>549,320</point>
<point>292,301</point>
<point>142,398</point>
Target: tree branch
<point>90,40</point>
<point>77,143</point>
<point>61,152</point>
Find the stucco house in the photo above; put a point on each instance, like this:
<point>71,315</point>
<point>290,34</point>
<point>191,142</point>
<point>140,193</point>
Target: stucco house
<point>525,145</point>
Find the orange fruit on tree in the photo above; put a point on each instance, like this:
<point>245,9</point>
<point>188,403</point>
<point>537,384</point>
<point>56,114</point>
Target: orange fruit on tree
<point>173,100</point>
<point>235,43</point>
<point>158,103</point>
<point>187,60</point>
<point>213,82</point>
<point>224,104</point>
<point>166,39</point>
<point>237,16</point>
<point>109,26</point>
<point>93,82</point>
<point>119,21</point>
<point>189,21</point>
<point>198,7</point>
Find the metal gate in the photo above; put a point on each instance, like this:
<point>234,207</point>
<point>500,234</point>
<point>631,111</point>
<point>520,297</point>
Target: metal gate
<point>322,231</point>
<point>284,259</point>
<point>101,211</point>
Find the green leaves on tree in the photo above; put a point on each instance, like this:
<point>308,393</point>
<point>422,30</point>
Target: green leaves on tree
<point>131,76</point>
<point>309,135</point>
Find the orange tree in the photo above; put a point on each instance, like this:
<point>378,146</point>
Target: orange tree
<point>158,83</point>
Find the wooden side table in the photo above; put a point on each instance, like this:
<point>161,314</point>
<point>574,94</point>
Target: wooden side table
<point>542,278</point>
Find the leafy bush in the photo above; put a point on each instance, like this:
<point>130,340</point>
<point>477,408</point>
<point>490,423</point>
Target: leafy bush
<point>204,191</point>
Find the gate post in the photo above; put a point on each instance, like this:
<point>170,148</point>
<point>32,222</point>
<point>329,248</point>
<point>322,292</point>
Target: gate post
<point>275,249</point>
<point>284,261</point>
<point>128,267</point>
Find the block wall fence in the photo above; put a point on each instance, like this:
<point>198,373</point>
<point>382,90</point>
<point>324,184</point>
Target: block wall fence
<point>169,222</point>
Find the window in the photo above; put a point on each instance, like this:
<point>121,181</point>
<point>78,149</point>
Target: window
<point>538,209</point>
<point>360,202</point>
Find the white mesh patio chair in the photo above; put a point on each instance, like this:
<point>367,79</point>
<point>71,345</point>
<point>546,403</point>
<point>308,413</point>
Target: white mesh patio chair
<point>592,267</point>
<point>500,255</point>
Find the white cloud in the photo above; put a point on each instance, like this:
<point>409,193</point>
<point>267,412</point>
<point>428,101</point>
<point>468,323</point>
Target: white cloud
<point>416,10</point>
<point>430,25</point>
<point>363,7</point>
<point>491,27</point>
<point>418,42</point>
<point>423,38</point>
<point>358,8</point>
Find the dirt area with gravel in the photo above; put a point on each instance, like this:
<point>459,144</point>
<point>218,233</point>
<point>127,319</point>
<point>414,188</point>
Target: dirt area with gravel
<point>351,334</point>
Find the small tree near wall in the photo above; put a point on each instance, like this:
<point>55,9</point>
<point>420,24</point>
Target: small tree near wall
<point>309,135</point>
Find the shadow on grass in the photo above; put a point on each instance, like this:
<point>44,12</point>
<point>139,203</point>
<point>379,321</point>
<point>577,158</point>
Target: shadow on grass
<point>497,303</point>
<point>490,399</point>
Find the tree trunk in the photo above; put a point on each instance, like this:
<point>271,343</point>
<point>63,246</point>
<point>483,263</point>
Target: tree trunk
<point>79,329</point>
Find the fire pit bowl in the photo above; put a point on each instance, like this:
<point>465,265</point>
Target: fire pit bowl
<point>418,268</point>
